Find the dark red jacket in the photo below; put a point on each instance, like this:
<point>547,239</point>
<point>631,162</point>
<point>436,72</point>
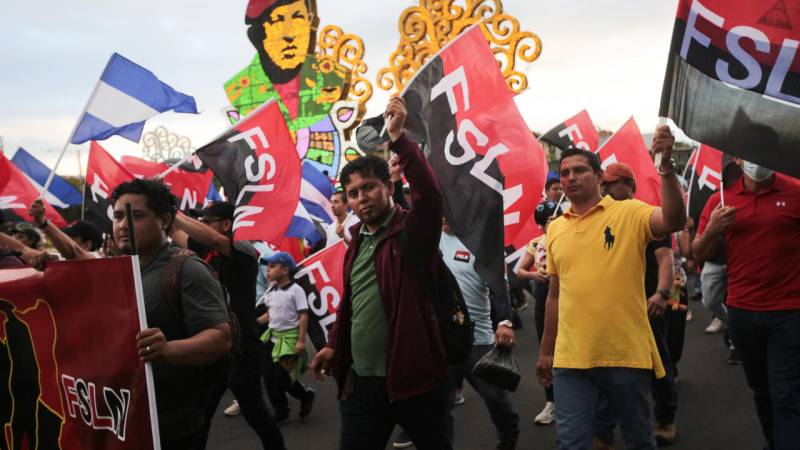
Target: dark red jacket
<point>415,358</point>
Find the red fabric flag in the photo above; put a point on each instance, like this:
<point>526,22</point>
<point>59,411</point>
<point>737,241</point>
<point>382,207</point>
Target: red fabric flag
<point>71,347</point>
<point>627,146</point>
<point>486,159</point>
<point>17,194</point>
<point>321,277</point>
<point>188,187</point>
<point>259,167</point>
<point>577,131</point>
<point>705,172</point>
<point>103,174</point>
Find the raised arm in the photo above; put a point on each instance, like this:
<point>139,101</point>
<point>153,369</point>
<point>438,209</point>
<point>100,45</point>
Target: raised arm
<point>65,245</point>
<point>671,216</point>
<point>201,233</point>
<point>424,220</point>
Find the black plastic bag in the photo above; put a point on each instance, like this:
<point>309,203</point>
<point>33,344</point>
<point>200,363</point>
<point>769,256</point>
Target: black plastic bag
<point>498,367</point>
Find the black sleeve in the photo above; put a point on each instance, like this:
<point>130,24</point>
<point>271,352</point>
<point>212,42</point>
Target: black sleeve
<point>399,197</point>
<point>666,242</point>
<point>196,246</point>
<point>501,304</point>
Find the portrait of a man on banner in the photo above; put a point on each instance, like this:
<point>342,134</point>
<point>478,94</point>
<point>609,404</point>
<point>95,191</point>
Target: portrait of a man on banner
<point>317,86</point>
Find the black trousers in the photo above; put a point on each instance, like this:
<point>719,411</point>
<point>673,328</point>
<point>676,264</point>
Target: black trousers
<point>278,383</point>
<point>540,291</point>
<point>246,373</point>
<point>368,417</point>
<point>769,343</point>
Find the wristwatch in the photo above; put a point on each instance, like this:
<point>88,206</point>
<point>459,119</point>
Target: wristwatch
<point>506,323</point>
<point>665,293</point>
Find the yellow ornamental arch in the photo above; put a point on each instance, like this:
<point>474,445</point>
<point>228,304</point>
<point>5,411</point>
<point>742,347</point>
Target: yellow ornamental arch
<point>426,28</point>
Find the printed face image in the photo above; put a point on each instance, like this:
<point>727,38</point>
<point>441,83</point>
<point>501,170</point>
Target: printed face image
<point>287,31</point>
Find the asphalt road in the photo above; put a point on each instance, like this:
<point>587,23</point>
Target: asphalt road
<point>715,406</point>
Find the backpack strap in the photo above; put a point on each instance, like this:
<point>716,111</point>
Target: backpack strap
<point>171,278</point>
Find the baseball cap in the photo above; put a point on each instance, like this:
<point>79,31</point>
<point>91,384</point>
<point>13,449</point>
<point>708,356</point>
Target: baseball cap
<point>281,258</point>
<point>86,231</point>
<point>218,210</point>
<point>616,171</point>
<point>544,211</point>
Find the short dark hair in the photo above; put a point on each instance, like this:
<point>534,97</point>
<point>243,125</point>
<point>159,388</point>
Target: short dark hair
<point>366,166</point>
<point>550,182</point>
<point>342,195</point>
<point>157,196</point>
<point>219,210</point>
<point>591,158</point>
<point>32,236</point>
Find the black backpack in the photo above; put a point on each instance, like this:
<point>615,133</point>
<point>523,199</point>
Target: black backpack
<point>171,287</point>
<point>452,315</point>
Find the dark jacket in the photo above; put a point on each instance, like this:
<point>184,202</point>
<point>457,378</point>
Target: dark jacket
<point>415,359</point>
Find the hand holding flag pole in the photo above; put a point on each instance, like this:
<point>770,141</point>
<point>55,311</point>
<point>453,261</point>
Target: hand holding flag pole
<point>659,156</point>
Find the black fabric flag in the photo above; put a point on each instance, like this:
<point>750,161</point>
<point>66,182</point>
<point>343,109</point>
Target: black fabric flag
<point>733,79</point>
<point>490,167</point>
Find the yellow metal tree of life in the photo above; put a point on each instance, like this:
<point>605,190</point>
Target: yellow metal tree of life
<point>426,28</point>
<point>316,77</point>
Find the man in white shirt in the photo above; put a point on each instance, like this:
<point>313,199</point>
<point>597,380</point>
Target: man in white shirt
<point>340,228</point>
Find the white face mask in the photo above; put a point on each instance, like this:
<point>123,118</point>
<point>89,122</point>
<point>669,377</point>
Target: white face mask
<point>756,172</point>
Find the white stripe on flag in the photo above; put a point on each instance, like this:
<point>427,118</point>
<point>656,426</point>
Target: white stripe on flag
<point>117,108</point>
<point>52,199</point>
<point>309,192</point>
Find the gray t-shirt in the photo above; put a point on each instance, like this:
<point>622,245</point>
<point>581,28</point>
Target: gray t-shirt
<point>461,262</point>
<point>180,389</point>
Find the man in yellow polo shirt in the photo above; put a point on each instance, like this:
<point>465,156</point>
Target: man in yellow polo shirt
<point>597,336</point>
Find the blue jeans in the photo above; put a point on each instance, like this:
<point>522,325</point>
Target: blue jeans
<point>665,392</point>
<point>368,417</point>
<point>714,281</point>
<point>578,392</point>
<point>769,343</point>
<point>496,399</point>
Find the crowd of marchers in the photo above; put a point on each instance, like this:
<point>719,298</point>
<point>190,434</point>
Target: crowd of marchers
<point>610,279</point>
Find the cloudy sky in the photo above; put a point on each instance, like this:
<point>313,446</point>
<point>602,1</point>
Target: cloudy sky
<point>603,55</point>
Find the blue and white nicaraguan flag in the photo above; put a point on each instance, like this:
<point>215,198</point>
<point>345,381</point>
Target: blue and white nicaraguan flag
<point>60,193</point>
<point>124,98</point>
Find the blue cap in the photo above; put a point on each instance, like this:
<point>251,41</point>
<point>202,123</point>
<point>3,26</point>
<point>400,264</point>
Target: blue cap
<point>281,258</point>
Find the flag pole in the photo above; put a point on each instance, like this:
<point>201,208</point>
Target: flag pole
<point>173,167</point>
<point>69,139</point>
<point>83,188</point>
<point>558,205</point>
<point>691,177</point>
<point>722,191</point>
<point>658,156</point>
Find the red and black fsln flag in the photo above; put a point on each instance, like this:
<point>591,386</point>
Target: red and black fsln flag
<point>733,78</point>
<point>490,168</point>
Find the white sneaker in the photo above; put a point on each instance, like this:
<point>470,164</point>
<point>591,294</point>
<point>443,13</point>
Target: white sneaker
<point>715,326</point>
<point>689,315</point>
<point>458,399</point>
<point>547,416</point>
<point>232,409</point>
